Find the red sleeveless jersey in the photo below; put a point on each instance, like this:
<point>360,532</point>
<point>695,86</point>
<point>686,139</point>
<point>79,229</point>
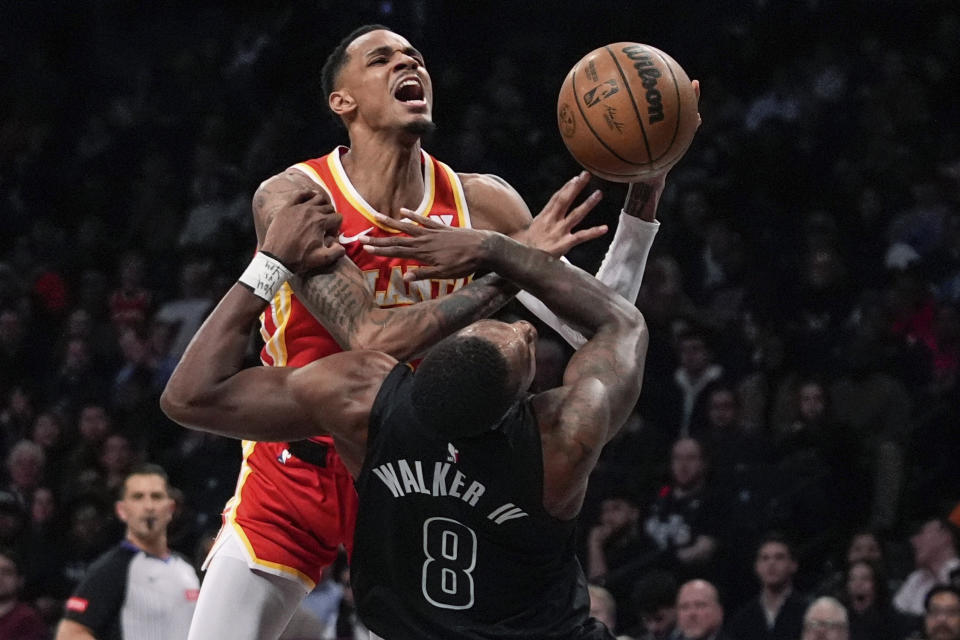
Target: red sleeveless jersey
<point>289,514</point>
<point>292,336</point>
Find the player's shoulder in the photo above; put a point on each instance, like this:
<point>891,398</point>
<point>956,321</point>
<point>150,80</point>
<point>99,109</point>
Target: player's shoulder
<point>291,177</point>
<point>485,184</point>
<point>494,203</point>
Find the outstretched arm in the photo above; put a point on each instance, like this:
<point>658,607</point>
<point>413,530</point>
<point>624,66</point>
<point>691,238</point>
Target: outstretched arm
<point>210,390</point>
<point>500,208</point>
<point>341,300</point>
<point>602,380</point>
<point>625,261</point>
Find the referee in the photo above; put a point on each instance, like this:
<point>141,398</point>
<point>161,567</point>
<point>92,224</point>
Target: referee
<point>138,589</point>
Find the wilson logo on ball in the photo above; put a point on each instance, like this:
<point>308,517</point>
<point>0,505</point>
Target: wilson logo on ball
<point>648,79</point>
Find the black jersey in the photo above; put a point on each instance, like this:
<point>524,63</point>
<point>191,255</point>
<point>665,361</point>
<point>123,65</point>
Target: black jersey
<point>452,540</point>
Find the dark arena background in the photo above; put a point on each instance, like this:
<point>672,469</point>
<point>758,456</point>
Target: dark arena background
<point>810,242</point>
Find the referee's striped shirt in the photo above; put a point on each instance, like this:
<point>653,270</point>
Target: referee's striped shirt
<point>130,594</point>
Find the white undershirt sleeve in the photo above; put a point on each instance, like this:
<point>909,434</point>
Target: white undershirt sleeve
<point>621,270</point>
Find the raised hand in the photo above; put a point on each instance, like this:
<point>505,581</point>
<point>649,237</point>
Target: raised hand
<point>303,233</point>
<point>447,252</point>
<point>552,229</point>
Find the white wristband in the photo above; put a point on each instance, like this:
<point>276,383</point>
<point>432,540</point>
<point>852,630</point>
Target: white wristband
<point>264,276</point>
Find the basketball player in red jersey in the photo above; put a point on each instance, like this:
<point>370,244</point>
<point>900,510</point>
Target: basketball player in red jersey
<point>295,503</point>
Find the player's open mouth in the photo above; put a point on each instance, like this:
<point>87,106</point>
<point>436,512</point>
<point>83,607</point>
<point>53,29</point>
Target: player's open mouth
<point>410,91</point>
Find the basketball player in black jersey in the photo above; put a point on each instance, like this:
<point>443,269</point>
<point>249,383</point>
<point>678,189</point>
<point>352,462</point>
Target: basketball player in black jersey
<point>469,487</point>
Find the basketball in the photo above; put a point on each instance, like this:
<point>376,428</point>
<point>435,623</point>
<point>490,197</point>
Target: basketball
<point>627,110</point>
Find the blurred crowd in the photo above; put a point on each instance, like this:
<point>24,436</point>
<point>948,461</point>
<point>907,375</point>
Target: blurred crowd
<point>803,295</point>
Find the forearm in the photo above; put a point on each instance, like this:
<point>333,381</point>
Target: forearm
<point>624,264</point>
<point>412,329</point>
<point>343,304</point>
<point>643,198</point>
<point>605,375</point>
<point>622,270</point>
<point>596,561</point>
<point>566,290</point>
<point>625,261</point>
<point>209,390</point>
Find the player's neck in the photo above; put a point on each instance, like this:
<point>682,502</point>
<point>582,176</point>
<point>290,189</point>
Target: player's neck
<point>387,173</point>
<point>7,605</point>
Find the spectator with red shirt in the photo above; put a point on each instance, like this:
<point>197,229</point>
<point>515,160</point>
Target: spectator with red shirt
<point>131,301</point>
<point>18,620</point>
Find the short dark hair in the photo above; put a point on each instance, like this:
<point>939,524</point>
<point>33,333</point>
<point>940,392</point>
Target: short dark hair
<point>338,57</point>
<point>778,537</point>
<point>461,387</point>
<point>146,469</point>
<point>937,590</point>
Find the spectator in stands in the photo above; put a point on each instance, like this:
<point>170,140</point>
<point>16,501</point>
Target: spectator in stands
<point>131,301</point>
<point>16,417</point>
<point>47,432</point>
<point>18,620</point>
<point>13,520</point>
<point>697,369</point>
<point>135,384</point>
<point>699,612</point>
<point>604,608</point>
<point>942,613</point>
<point>867,599</point>
<point>935,558</point>
<point>737,455</point>
<point>117,457</point>
<point>88,533</point>
<point>139,585</point>
<point>655,600</point>
<point>742,475</point>
<point>93,426</point>
<point>14,348</point>
<point>684,521</point>
<point>614,545</point>
<point>822,305</point>
<point>25,468</point>
<point>186,312</point>
<point>76,379</point>
<point>813,453</point>
<point>777,612</point>
<point>876,407</point>
<point>825,619</point>
<point>40,551</point>
<point>863,546</point>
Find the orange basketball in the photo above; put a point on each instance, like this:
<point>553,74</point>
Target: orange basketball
<point>627,110</point>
